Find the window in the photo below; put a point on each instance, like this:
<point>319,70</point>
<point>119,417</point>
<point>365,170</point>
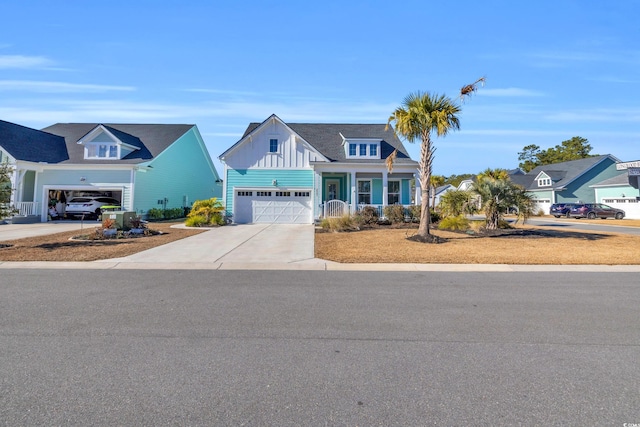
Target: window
<point>364,192</point>
<point>263,193</point>
<point>393,192</point>
<point>544,182</point>
<point>352,149</point>
<point>373,150</point>
<point>245,193</point>
<point>102,151</point>
<point>363,149</point>
<point>273,145</point>
<point>302,193</point>
<point>283,193</point>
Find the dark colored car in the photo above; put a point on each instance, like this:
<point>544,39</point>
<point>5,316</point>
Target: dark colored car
<point>595,210</point>
<point>561,209</point>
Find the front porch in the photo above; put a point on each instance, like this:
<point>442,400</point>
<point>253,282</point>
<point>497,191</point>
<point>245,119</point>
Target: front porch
<point>341,193</point>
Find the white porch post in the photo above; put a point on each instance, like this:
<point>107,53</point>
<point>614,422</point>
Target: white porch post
<point>354,199</point>
<point>385,189</point>
<point>418,195</point>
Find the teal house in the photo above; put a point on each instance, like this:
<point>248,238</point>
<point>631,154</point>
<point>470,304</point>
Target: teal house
<point>569,182</point>
<point>299,172</point>
<point>143,166</point>
<point>623,190</point>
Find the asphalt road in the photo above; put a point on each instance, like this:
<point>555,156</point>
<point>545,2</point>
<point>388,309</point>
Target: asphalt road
<point>573,224</point>
<point>292,348</point>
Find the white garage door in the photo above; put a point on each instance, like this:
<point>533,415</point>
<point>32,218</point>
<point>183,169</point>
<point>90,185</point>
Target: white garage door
<point>270,206</point>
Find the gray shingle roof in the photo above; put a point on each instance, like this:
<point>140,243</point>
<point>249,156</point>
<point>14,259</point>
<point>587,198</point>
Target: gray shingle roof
<point>152,139</point>
<point>621,179</point>
<point>561,173</point>
<point>32,145</point>
<point>325,137</point>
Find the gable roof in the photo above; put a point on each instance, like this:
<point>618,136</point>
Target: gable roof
<point>562,174</point>
<point>327,139</point>
<point>31,145</point>
<point>151,139</point>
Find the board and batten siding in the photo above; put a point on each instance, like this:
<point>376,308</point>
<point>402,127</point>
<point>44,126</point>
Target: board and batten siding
<point>182,174</point>
<point>264,178</point>
<point>254,153</point>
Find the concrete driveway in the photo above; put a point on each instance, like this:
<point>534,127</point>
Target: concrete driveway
<point>267,246</point>
<point>20,231</point>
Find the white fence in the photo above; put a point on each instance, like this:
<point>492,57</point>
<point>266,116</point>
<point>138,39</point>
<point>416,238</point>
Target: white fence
<point>28,208</point>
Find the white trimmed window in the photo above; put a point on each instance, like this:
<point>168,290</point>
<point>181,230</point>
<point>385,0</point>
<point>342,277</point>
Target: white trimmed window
<point>273,145</point>
<point>101,151</point>
<point>352,150</point>
<point>373,150</point>
<point>364,192</point>
<point>393,192</point>
<point>544,182</point>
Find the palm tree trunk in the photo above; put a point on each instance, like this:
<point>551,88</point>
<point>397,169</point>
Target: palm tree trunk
<point>425,175</point>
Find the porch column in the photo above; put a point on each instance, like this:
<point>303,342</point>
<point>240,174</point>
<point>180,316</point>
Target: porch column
<point>418,191</point>
<point>354,199</point>
<point>385,188</point>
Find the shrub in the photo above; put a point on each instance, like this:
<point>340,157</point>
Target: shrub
<point>196,221</point>
<point>108,223</point>
<point>368,215</point>
<point>435,217</point>
<point>155,213</point>
<point>454,223</point>
<point>342,223</point>
<point>206,212</point>
<point>414,213</point>
<point>394,213</point>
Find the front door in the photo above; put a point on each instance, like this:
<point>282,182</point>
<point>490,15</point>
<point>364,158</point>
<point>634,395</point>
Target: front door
<point>332,189</point>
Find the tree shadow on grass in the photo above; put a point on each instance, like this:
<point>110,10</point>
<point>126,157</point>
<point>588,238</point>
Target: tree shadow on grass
<point>558,234</point>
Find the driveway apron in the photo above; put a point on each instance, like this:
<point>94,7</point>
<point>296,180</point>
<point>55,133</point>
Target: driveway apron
<point>235,244</point>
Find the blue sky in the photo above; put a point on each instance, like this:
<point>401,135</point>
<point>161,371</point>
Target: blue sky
<point>554,69</point>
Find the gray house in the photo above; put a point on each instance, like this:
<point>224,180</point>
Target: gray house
<point>570,181</point>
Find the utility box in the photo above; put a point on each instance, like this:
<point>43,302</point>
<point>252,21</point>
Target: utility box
<point>121,218</point>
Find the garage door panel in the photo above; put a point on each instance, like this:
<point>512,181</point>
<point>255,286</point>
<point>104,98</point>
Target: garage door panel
<point>274,207</point>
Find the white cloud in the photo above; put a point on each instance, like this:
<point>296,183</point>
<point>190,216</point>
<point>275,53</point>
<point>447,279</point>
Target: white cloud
<point>57,87</point>
<point>22,61</point>
<point>510,92</point>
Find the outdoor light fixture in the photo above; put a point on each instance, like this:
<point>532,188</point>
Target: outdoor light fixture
<point>274,182</point>
<point>83,179</point>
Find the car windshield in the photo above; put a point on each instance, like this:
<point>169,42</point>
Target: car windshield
<point>79,200</point>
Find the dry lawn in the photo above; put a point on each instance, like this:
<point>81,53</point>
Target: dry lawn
<point>59,247</point>
<point>548,246</point>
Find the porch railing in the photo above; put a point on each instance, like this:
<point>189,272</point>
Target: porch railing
<point>28,208</point>
<point>338,208</point>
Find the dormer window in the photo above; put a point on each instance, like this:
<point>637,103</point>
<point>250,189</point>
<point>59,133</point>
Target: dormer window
<point>101,151</point>
<point>102,144</point>
<point>544,182</point>
<point>362,148</point>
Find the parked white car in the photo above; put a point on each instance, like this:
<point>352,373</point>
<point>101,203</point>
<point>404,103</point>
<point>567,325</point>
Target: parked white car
<point>89,206</point>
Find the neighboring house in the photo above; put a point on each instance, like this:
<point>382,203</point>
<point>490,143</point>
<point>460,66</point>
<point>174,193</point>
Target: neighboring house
<point>570,181</point>
<point>441,191</point>
<point>622,191</point>
<point>144,166</point>
<point>299,172</point>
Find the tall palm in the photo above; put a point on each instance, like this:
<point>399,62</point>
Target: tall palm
<point>435,181</point>
<point>416,119</point>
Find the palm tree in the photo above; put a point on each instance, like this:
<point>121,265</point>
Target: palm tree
<point>419,115</point>
<point>498,195</point>
<point>435,181</point>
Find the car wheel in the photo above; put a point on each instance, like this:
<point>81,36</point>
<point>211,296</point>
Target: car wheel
<point>557,216</point>
<point>591,215</point>
<point>619,215</point>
